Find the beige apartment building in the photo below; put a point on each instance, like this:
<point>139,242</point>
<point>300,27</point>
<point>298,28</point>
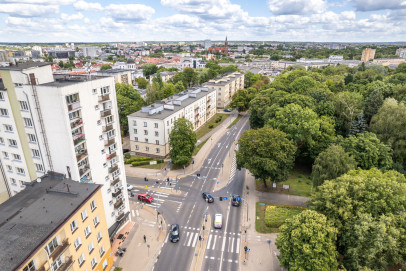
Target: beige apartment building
<point>389,61</point>
<point>150,127</point>
<point>368,54</point>
<point>226,86</point>
<point>120,75</point>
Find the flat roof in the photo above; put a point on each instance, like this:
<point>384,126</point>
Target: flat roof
<point>114,71</point>
<point>62,80</point>
<point>28,219</point>
<point>25,65</point>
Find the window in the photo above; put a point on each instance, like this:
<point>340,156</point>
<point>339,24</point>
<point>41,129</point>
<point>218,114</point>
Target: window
<point>157,150</point>
<point>100,137</point>
<point>135,138</point>
<point>156,125</point>
<point>51,246</point>
<point>103,151</point>
<point>16,156</point>
<point>94,91</point>
<point>135,131</point>
<point>96,107</point>
<point>157,142</point>
<point>23,105</point>
<point>3,112</point>
<point>87,231</point>
<point>167,122</point>
<point>30,266</point>
<point>20,170</point>
<point>12,143</point>
<point>1,140</point>
<point>99,236</point>
<point>78,243</point>
<point>94,262</point>
<point>145,124</point>
<point>39,167</point>
<point>99,122</point>
<point>35,153</point>
<point>105,90</point>
<point>1,96</point>
<point>74,115</point>
<point>156,133</point>
<point>28,122</point>
<point>32,138</point>
<point>93,205</point>
<point>134,123</point>
<point>5,155</point>
<point>137,147</point>
<point>74,225</point>
<point>9,168</point>
<point>57,263</point>
<point>74,98</point>
<point>112,148</point>
<point>96,221</point>
<point>84,214</point>
<point>105,264</point>
<point>111,134</point>
<point>146,140</point>
<point>146,148</point>
<point>81,259</point>
<point>8,128</point>
<point>145,132</point>
<point>101,251</point>
<point>90,247</point>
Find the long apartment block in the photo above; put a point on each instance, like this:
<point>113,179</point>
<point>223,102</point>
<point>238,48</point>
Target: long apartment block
<point>226,86</point>
<point>150,127</point>
<point>67,124</point>
<point>55,224</point>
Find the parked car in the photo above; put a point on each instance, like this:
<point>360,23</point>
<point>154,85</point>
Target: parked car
<point>207,197</point>
<point>145,197</point>
<point>236,200</point>
<point>218,221</point>
<point>174,237</point>
<point>227,110</point>
<point>130,187</point>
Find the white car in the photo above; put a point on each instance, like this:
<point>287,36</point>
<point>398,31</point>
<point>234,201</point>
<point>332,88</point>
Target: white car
<point>218,221</point>
<point>129,187</point>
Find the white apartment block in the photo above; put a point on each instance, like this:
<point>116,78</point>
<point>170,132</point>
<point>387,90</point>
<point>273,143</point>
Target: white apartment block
<point>226,86</point>
<point>192,62</point>
<point>120,75</point>
<point>150,127</point>
<point>65,124</point>
<point>164,75</point>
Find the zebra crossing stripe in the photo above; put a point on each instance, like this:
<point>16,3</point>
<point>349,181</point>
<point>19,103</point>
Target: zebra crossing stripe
<point>232,244</point>
<point>208,241</point>
<point>190,239</point>
<point>214,243</point>
<point>195,240</point>
<point>238,246</point>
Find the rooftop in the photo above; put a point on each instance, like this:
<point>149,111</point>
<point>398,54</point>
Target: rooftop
<point>29,218</point>
<point>62,80</point>
<point>224,79</point>
<point>114,71</point>
<point>25,65</point>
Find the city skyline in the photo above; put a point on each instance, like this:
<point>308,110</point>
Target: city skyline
<point>188,20</point>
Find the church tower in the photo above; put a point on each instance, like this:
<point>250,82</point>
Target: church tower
<point>226,47</point>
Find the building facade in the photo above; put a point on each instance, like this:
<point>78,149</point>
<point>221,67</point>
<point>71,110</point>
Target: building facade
<point>150,127</point>
<point>120,75</point>
<point>226,86</point>
<point>368,54</point>
<point>62,123</point>
<point>61,225</point>
<point>389,61</point>
<point>192,62</point>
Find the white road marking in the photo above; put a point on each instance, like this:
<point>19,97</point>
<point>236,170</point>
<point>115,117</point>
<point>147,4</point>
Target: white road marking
<point>224,244</point>
<point>214,242</point>
<point>232,245</point>
<point>166,239</point>
<point>190,239</point>
<point>138,213</point>
<point>237,250</point>
<point>208,241</point>
<point>195,240</point>
<point>132,212</point>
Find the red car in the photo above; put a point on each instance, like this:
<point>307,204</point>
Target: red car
<point>145,197</point>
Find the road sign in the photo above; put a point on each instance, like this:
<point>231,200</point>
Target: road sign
<point>269,242</point>
<point>202,239</point>
<point>225,198</point>
<point>218,182</point>
<point>239,199</point>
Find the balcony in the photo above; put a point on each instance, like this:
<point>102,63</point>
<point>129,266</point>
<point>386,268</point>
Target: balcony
<point>113,168</point>
<point>76,123</point>
<point>197,108</point>
<point>118,204</point>
<point>109,142</point>
<point>82,154</point>
<point>111,155</point>
<point>67,264</point>
<point>115,181</point>
<point>107,128</point>
<point>117,193</point>
<point>78,138</point>
<point>73,106</point>
<point>105,113</point>
<point>2,87</point>
<point>83,170</point>
<point>120,216</point>
<point>104,97</point>
<point>59,249</point>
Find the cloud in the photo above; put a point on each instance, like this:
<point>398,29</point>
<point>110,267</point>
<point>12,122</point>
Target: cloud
<point>41,2</point>
<point>18,21</point>
<point>71,17</point>
<point>179,20</point>
<point>348,15</point>
<point>28,10</point>
<point>371,5</point>
<point>296,7</point>
<point>130,12</point>
<point>82,5</point>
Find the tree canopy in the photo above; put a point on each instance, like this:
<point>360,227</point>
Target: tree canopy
<point>182,141</point>
<point>128,102</point>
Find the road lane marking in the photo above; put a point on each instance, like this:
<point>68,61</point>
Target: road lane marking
<point>190,239</point>
<point>214,242</point>
<point>208,241</point>
<point>237,250</point>
<point>232,245</point>
<point>166,239</point>
<point>195,240</point>
<point>132,212</point>
<point>224,244</point>
<point>187,235</point>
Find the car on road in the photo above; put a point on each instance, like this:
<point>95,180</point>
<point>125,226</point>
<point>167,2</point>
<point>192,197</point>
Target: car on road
<point>218,221</point>
<point>174,235</point>
<point>207,197</point>
<point>145,198</point>
<point>227,110</point>
<point>130,187</point>
<point>236,200</point>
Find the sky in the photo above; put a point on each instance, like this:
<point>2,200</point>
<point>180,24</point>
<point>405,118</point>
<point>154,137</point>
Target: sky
<point>190,20</point>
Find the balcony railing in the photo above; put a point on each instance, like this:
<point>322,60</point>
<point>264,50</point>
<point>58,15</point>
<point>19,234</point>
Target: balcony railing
<point>83,170</point>
<point>109,142</point>
<point>120,216</point>
<point>76,123</point>
<point>2,87</point>
<point>79,138</point>
<point>111,155</point>
<point>113,168</point>
<point>82,154</point>
<point>116,193</point>
<point>118,204</point>
<point>115,181</point>
<point>73,106</point>
<point>59,249</point>
<point>67,264</point>
<point>104,97</point>
<point>105,113</point>
<point>107,128</point>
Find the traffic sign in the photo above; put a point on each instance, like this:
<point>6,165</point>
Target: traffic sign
<point>217,182</point>
<point>225,198</point>
<point>239,199</point>
<point>202,239</point>
<point>248,250</point>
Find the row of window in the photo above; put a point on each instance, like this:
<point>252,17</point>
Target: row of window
<point>137,148</point>
<point>146,140</point>
<point>13,143</point>
<point>35,154</point>
<point>18,169</point>
<point>145,124</point>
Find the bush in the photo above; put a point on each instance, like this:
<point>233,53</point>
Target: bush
<point>218,119</point>
<point>127,155</point>
<point>275,216</point>
<point>139,163</point>
<point>211,126</point>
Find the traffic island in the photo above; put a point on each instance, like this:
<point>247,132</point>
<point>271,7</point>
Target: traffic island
<point>200,250</point>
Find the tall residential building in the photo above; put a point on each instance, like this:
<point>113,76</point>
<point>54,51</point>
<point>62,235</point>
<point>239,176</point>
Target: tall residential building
<point>62,123</point>
<point>150,127</point>
<point>207,44</point>
<point>368,54</point>
<point>401,52</point>
<point>226,86</point>
<point>55,224</point>
<point>4,56</point>
<point>90,51</point>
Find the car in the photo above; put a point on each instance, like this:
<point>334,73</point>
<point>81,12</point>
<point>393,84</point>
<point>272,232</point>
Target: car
<point>218,221</point>
<point>145,197</point>
<point>130,187</point>
<point>174,235</point>
<point>207,197</point>
<point>236,200</point>
<point>227,110</point>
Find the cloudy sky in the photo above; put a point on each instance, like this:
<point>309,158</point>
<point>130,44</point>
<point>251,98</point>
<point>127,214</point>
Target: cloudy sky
<point>171,20</point>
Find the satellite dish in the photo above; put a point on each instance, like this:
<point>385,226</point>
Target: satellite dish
<point>38,180</point>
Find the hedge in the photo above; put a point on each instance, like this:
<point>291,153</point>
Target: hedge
<point>275,216</point>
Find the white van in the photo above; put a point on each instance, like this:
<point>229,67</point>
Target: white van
<point>218,221</point>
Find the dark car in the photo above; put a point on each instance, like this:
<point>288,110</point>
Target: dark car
<point>227,110</point>
<point>174,235</point>
<point>207,197</point>
<point>236,200</point>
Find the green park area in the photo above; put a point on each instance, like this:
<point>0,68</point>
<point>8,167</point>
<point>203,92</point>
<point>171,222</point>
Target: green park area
<point>213,123</point>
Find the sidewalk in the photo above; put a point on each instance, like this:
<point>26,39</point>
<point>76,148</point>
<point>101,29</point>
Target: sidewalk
<point>138,256</point>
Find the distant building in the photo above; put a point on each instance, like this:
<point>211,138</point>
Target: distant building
<point>192,62</point>
<point>120,75</point>
<point>368,54</point>
<point>401,52</point>
<point>164,75</point>
<point>4,56</point>
<point>90,51</point>
<point>389,61</point>
<point>335,58</point>
<point>222,50</point>
<point>61,54</point>
<point>55,224</point>
<point>207,44</point>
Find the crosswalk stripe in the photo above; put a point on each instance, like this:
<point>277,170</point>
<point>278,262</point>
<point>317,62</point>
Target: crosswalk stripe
<point>214,243</point>
<point>208,241</point>
<point>190,240</point>
<point>159,199</point>
<point>232,244</point>
<point>166,239</point>
<point>224,243</point>
<point>238,246</point>
<point>187,235</point>
<point>195,240</point>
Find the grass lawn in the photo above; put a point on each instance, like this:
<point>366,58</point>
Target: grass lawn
<point>234,122</point>
<point>205,128</point>
<point>198,147</point>
<point>299,181</point>
<point>157,166</point>
<point>270,216</point>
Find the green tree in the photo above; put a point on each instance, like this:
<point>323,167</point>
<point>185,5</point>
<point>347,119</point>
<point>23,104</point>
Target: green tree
<point>306,242</point>
<point>258,106</point>
<point>154,93</point>
<point>372,104</point>
<point>348,106</point>
<point>169,90</point>
<point>368,151</point>
<point>331,163</point>
<point>141,82</point>
<point>302,84</point>
<point>182,141</point>
<point>190,77</point>
<point>128,102</point>
<point>105,67</point>
<point>158,79</point>
<point>240,100</point>
<point>401,68</point>
<point>266,153</point>
<point>149,69</point>
<point>179,87</point>
<point>359,125</point>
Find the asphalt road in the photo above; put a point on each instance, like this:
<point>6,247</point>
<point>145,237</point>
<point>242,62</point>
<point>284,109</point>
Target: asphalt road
<point>189,210</point>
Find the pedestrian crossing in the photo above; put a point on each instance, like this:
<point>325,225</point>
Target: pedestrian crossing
<point>233,167</point>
